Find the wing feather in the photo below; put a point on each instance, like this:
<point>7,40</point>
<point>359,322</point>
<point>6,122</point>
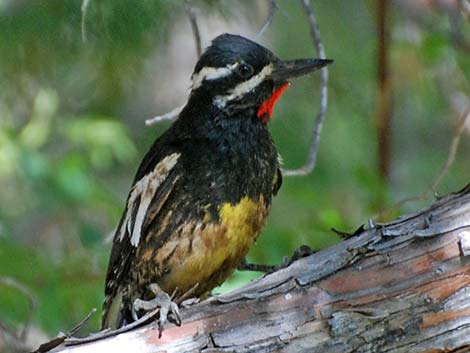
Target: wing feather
<point>144,203</point>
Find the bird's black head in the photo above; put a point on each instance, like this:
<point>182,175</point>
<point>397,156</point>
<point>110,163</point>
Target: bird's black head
<point>235,72</point>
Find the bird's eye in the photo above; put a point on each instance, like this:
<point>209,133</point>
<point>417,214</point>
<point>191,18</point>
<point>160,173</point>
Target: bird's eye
<point>245,70</point>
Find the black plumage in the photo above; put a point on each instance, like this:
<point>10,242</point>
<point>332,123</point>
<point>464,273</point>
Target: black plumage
<point>203,191</point>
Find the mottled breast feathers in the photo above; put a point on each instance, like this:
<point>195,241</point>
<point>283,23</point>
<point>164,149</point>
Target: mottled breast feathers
<point>180,229</point>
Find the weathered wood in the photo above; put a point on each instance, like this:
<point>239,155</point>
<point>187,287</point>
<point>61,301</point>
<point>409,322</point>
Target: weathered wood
<point>398,287</point>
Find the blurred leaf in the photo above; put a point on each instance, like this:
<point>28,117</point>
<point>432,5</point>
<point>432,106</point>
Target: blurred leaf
<point>104,139</point>
<point>330,218</point>
<point>34,165</point>
<point>70,284</point>
<point>9,152</point>
<point>434,46</point>
<point>36,132</point>
<point>72,178</point>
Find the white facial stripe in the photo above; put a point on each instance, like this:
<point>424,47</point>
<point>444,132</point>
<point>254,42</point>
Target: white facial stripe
<point>211,73</point>
<point>244,87</point>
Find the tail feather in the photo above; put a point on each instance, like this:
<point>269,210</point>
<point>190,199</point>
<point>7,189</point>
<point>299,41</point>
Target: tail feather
<point>111,315</point>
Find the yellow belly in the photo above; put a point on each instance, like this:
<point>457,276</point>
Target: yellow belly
<point>207,253</point>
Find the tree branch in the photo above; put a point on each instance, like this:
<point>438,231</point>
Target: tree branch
<point>397,287</point>
<point>454,145</point>
<point>172,115</point>
<point>272,11</point>
<point>84,9</point>
<point>194,26</point>
<point>464,6</point>
<point>384,97</point>
<point>32,301</point>
<point>312,153</point>
<point>452,149</point>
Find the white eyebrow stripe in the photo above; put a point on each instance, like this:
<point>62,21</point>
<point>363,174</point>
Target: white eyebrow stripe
<point>244,87</point>
<point>211,73</point>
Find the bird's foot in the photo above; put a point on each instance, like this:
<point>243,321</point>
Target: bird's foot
<point>188,302</point>
<point>301,251</point>
<point>347,235</point>
<point>162,301</point>
<point>247,266</point>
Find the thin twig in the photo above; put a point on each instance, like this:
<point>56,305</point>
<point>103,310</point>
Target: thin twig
<point>148,317</point>
<point>109,333</point>
<point>454,145</point>
<point>464,6</point>
<point>452,149</point>
<point>457,29</point>
<point>78,326</point>
<point>272,11</point>
<point>84,9</point>
<point>62,337</point>
<point>10,341</point>
<point>172,115</point>
<point>12,283</point>
<point>312,153</point>
<point>194,26</point>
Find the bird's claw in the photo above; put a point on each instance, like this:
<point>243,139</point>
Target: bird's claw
<point>164,303</point>
<point>188,302</point>
<point>301,251</point>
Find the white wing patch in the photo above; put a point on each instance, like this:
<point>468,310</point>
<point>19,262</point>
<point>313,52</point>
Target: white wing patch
<point>243,88</point>
<point>211,73</point>
<point>145,188</point>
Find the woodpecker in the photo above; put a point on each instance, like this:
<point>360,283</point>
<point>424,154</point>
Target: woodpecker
<point>203,191</point>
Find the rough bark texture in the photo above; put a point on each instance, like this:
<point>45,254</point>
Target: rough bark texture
<point>397,287</point>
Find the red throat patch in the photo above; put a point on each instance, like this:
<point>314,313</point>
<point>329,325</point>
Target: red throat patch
<point>266,108</point>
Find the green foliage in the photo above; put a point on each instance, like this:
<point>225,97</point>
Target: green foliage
<point>59,285</point>
<point>72,135</point>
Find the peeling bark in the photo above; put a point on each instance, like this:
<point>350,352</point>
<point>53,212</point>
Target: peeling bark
<point>397,287</point>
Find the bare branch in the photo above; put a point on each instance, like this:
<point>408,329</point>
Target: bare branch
<point>384,96</point>
<point>454,145</point>
<point>13,283</point>
<point>11,342</point>
<point>61,337</point>
<point>312,153</point>
<point>457,33</point>
<point>444,169</point>
<point>464,6</point>
<point>272,10</point>
<point>84,9</point>
<point>194,26</point>
<point>365,294</point>
<point>78,326</point>
<point>172,115</point>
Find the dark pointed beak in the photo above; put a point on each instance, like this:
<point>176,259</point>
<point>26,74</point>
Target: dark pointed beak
<point>286,70</point>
